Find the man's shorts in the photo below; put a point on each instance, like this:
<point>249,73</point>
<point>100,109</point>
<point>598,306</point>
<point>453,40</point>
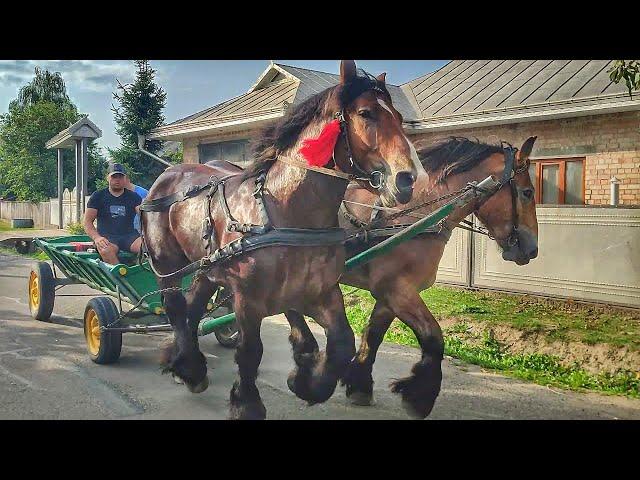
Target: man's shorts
<point>123,241</point>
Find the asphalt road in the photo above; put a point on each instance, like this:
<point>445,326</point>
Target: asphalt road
<point>45,373</point>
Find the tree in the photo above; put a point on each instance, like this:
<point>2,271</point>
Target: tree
<point>28,171</point>
<point>629,70</point>
<point>45,87</point>
<point>139,111</point>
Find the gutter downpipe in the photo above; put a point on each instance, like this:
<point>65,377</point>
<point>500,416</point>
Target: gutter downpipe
<point>141,140</point>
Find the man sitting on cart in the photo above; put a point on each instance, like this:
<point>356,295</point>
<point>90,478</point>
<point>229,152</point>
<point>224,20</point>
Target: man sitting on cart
<point>115,208</point>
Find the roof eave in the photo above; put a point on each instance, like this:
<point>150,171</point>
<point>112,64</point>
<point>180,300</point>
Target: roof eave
<point>470,121</point>
<point>180,132</point>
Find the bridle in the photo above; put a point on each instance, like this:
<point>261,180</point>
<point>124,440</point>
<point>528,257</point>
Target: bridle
<point>376,178</point>
<point>508,177</point>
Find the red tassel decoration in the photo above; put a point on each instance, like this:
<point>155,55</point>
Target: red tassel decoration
<point>318,151</point>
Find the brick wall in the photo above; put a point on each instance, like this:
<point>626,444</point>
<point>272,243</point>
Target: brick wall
<point>609,143</point>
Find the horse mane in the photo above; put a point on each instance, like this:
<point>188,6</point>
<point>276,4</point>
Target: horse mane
<point>284,133</point>
<point>454,155</point>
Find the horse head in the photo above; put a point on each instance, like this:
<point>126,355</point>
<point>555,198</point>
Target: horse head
<point>510,214</point>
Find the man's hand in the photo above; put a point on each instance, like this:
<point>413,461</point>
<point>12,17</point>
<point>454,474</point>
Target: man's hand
<point>102,243</point>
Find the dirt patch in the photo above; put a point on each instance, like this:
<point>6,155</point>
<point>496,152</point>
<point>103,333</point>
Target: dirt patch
<point>598,358</point>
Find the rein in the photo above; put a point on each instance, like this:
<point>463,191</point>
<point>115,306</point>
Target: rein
<point>508,176</point>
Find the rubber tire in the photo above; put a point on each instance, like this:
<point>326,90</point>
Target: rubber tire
<point>25,246</point>
<point>110,342</point>
<point>46,292</point>
<point>222,333</point>
<point>223,337</point>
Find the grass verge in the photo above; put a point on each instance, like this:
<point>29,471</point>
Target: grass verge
<point>489,353</point>
<point>40,255</point>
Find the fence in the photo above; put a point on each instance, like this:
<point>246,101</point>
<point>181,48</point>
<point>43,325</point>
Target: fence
<point>44,214</point>
<point>40,212</point>
<point>585,253</point>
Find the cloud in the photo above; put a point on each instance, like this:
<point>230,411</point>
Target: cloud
<point>87,75</point>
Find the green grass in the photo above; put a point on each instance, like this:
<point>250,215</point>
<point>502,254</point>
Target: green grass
<point>5,226</point>
<point>584,323</point>
<point>40,255</point>
<point>557,320</point>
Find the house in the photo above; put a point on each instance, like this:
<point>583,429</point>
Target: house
<point>588,131</point>
<point>588,128</point>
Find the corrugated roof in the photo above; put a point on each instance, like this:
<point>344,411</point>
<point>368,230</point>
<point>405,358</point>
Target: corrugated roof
<point>282,89</point>
<point>472,86</point>
<point>268,98</point>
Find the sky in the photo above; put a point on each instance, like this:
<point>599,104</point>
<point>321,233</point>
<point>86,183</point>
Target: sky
<point>191,85</point>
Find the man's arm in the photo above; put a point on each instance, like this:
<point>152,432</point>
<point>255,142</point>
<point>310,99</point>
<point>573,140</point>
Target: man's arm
<point>90,216</point>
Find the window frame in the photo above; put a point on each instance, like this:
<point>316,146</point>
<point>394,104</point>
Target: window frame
<point>562,168</point>
<point>244,141</point>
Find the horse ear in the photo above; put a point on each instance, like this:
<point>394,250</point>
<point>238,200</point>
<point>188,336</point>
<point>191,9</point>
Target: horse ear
<point>382,77</point>
<point>525,150</point>
<point>347,71</point>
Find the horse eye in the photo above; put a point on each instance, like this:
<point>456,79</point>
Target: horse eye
<point>528,193</point>
<point>365,113</point>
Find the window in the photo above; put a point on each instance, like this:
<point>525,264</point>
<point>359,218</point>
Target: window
<point>558,181</point>
<point>235,151</point>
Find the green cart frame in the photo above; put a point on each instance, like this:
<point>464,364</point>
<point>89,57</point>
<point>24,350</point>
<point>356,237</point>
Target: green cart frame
<point>127,282</point>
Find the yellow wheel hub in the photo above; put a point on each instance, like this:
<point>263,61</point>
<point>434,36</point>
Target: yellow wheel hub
<point>34,294</point>
<point>92,331</point>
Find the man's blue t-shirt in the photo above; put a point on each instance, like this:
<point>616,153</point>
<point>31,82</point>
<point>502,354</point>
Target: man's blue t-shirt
<point>115,214</point>
<point>143,192</point>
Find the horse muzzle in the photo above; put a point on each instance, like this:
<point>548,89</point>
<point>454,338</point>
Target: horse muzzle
<point>523,250</point>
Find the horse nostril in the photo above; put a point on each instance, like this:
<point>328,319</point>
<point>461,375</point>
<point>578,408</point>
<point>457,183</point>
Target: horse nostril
<point>404,181</point>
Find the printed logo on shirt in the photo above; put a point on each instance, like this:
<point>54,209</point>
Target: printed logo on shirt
<point>117,211</point>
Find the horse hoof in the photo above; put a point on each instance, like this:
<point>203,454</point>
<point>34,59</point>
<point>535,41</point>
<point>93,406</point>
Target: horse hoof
<point>200,387</point>
<point>416,412</point>
<point>254,411</point>
<point>418,396</point>
<point>361,399</point>
<point>177,379</point>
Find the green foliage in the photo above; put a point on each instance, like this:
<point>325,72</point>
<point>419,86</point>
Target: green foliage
<point>175,157</point>
<point>28,171</point>
<point>501,309</point>
<point>76,228</point>
<point>45,87</point>
<point>629,70</point>
<point>139,111</point>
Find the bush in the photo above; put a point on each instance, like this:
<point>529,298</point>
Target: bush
<point>76,229</point>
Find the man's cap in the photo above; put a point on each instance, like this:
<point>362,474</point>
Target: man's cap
<point>116,168</point>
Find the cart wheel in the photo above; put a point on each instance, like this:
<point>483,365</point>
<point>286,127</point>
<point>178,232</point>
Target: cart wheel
<point>104,347</point>
<point>42,291</point>
<point>228,334</point>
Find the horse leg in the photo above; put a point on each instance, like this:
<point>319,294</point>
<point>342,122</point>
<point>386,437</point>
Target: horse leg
<point>245,400</point>
<point>419,390</point>
<point>303,343</point>
<point>182,356</point>
<point>198,297</point>
<point>315,379</point>
<point>358,379</point>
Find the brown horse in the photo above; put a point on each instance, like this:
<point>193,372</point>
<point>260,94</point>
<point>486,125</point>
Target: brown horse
<point>279,278</point>
<point>396,279</point>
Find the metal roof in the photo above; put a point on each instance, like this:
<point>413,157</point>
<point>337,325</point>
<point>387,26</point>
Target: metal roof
<point>280,85</point>
<point>462,93</point>
<point>268,98</point>
<point>472,86</point>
